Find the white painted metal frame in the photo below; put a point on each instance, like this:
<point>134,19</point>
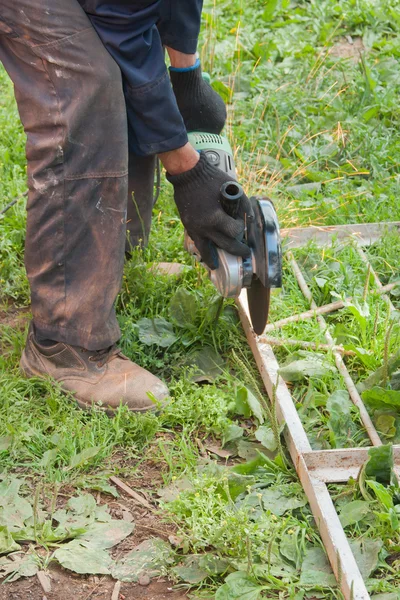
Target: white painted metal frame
<point>317,468</point>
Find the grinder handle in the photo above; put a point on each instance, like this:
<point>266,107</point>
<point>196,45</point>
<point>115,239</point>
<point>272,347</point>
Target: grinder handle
<point>231,194</point>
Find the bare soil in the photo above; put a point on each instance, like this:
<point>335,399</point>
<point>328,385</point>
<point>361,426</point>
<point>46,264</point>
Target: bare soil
<point>348,47</point>
<point>66,585</point>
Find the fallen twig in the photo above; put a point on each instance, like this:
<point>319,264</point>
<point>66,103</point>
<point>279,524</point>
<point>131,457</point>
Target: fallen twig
<point>128,490</point>
<point>116,591</point>
<point>10,204</point>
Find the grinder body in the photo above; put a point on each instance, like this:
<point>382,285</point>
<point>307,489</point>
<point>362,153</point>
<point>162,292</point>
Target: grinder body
<point>262,270</point>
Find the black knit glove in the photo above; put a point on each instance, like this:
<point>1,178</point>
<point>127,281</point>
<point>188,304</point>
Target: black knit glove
<point>202,109</point>
<point>197,196</point>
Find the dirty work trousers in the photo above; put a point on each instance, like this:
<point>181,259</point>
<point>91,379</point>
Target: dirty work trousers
<point>71,104</point>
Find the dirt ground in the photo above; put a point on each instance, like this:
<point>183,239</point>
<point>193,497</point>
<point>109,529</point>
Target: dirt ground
<point>348,47</point>
<point>69,587</point>
<point>66,585</point>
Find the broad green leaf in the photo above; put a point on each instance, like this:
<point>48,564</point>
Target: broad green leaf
<point>48,458</point>
<point>386,424</point>
<point>84,504</point>
<point>84,560</point>
<point>170,492</point>
<point>214,565</point>
<point>288,547</point>
<point>18,565</point>
<point>150,557</point>
<point>316,570</point>
<point>239,586</point>
<point>306,367</point>
<point>377,378</point>
<point>244,397</point>
<point>266,436</point>
<point>183,308</point>
<point>241,405</point>
<point>9,489</point>
<point>248,450</point>
<point>383,494</point>
<point>340,422</point>
<point>379,397</point>
<point>99,484</point>
<point>231,433</point>
<point>207,363</point>
<point>353,512</point>
<point>283,498</point>
<point>190,570</point>
<point>380,463</point>
<point>15,512</point>
<point>249,468</point>
<point>106,535</point>
<point>7,543</point>
<point>156,331</point>
<point>80,459</point>
<point>366,553</point>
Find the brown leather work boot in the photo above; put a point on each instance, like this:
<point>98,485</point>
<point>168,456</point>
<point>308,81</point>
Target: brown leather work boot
<point>106,377</point>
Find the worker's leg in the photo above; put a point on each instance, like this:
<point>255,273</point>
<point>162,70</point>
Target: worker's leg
<point>140,199</point>
<point>70,100</point>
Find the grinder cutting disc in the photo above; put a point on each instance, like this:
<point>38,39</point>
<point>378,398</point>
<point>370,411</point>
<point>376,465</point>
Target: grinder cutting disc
<point>263,237</point>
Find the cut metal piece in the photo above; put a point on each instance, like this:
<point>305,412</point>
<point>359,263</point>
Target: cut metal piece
<point>364,234</point>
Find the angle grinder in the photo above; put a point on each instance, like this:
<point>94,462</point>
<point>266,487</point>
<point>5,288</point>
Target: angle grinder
<point>263,269</point>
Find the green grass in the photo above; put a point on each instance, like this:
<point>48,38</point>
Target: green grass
<point>318,134</point>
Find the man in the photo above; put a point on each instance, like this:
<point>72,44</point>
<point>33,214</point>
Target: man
<point>92,88</point>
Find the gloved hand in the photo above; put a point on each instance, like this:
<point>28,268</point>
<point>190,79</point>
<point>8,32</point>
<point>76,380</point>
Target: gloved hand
<point>202,109</point>
<point>197,196</point>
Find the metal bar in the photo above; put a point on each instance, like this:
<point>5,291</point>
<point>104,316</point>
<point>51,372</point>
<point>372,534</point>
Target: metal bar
<point>339,552</point>
<point>300,344</point>
<point>340,555</point>
<point>365,233</point>
<point>354,395</point>
<point>308,314</point>
<point>295,436</point>
<point>338,465</point>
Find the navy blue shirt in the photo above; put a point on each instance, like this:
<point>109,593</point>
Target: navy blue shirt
<point>134,32</point>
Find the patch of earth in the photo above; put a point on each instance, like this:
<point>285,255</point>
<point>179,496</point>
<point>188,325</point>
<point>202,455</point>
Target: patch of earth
<point>66,585</point>
<point>348,47</point>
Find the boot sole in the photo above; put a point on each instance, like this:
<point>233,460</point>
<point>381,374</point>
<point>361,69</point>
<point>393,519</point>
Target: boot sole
<point>28,373</point>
